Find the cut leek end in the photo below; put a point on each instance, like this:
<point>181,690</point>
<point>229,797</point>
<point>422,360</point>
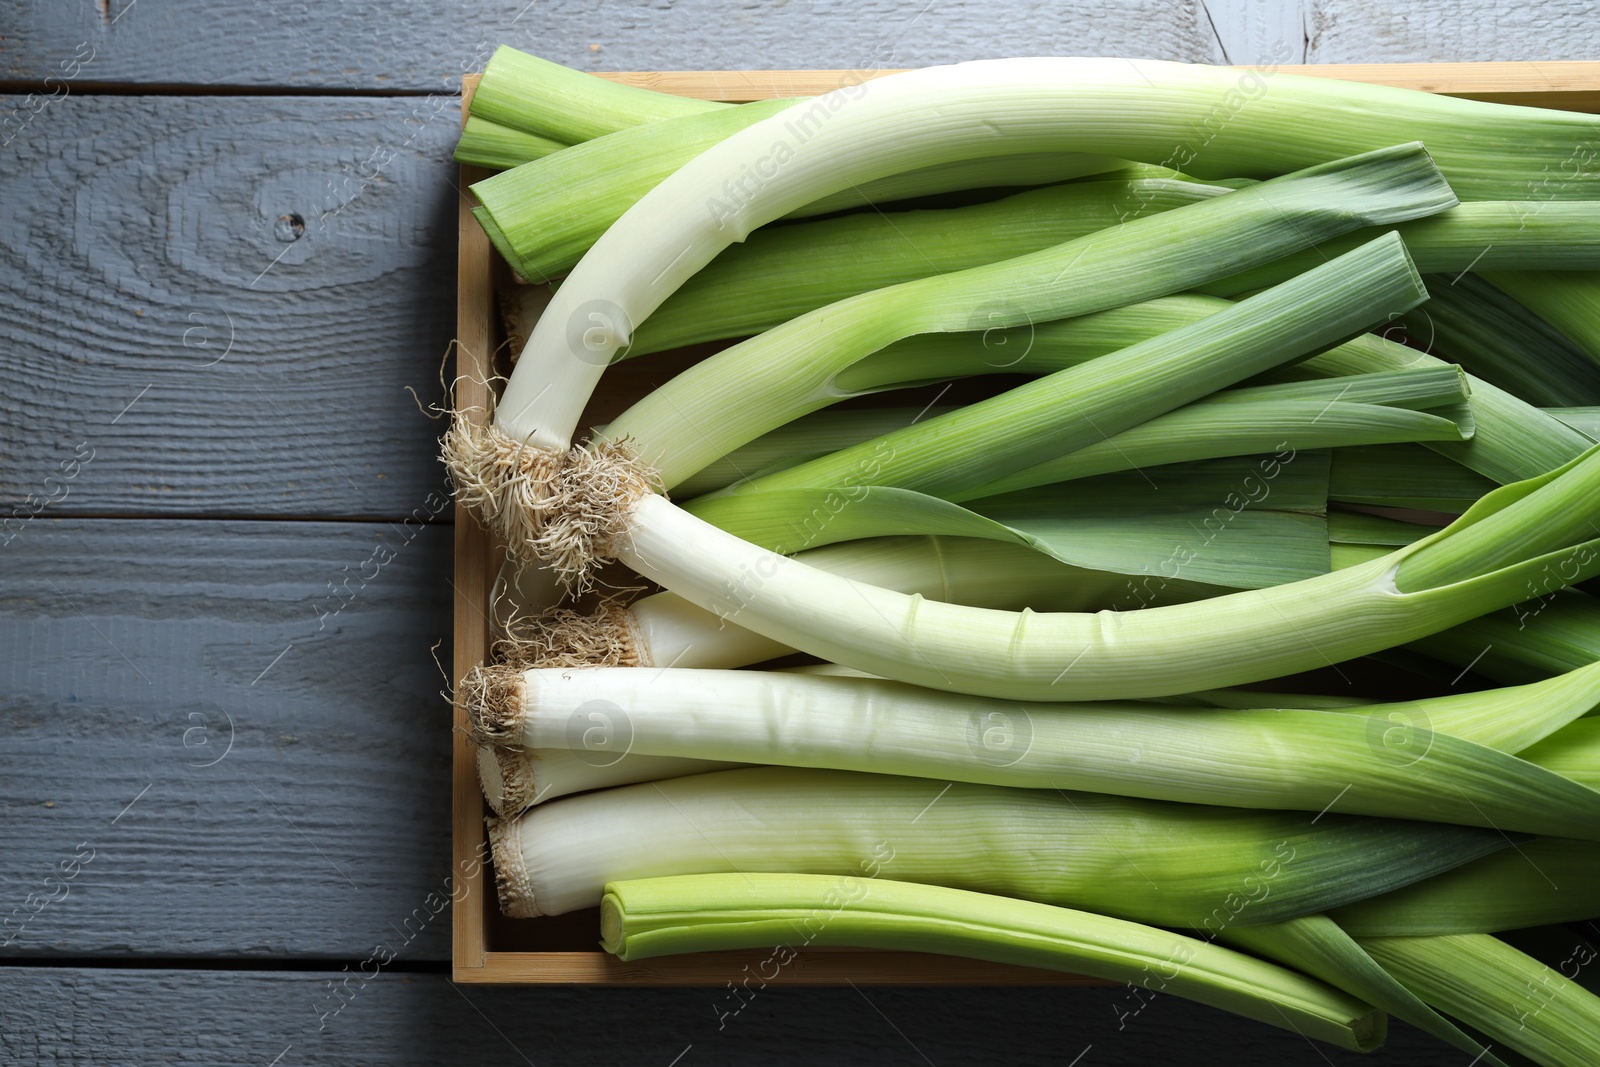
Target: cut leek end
<point>492,697</point>
<point>489,144</point>
<point>561,509</point>
<point>507,780</point>
<point>613,925</point>
<point>512,884</point>
<point>524,270</point>
<point>562,637</point>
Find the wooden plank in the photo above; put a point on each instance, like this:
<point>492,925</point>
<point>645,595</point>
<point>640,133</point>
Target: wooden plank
<point>1342,31</point>
<point>826,967</point>
<point>75,1017</point>
<point>427,47</point>
<point>473,569</point>
<point>225,300</point>
<point>239,723</point>
<point>1561,84</point>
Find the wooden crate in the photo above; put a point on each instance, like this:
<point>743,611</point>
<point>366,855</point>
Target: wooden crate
<point>488,947</point>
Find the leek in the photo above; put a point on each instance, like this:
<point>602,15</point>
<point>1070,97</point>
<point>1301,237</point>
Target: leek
<point>1403,476</point>
<point>954,454</point>
<point>1585,420</point>
<point>1145,860</point>
<point>589,187</point>
<point>1528,537</point>
<point>516,482</point>
<point>1512,719</point>
<point>805,438</point>
<point>1307,760</point>
<point>578,193</point>
<point>733,396</point>
<point>1551,632</point>
<point>1511,997</point>
<point>651,917</point>
<point>515,779</point>
<point>1573,751</point>
<point>488,144</point>
<point>1550,880</point>
<point>1507,235</point>
<point>1209,429</point>
<point>1374,531</point>
<point>1269,531</point>
<point>1567,300</point>
<point>1512,439</point>
<point>665,630</point>
<point>756,285</point>
<point>1473,323</point>
<point>537,96</point>
<point>1227,423</point>
<point>1316,946</point>
<point>925,117</point>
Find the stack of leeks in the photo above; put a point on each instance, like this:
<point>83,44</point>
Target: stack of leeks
<point>1069,638</point>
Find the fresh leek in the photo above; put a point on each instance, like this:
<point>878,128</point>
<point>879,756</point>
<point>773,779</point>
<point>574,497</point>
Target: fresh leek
<point>1526,537</point>
<point>787,913</point>
<point>1308,760</point>
<point>1515,1000</point>
<point>1145,860</point>
<point>1550,880</point>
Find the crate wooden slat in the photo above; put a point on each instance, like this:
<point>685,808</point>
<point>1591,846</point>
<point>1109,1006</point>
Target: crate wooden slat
<point>473,574</point>
<point>490,948</point>
<point>1574,85</point>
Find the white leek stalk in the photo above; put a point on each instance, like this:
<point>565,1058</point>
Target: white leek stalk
<point>1146,860</point>
<point>1130,110</point>
<point>517,778</point>
<point>665,630</point>
<point>1369,761</point>
<point>1521,537</point>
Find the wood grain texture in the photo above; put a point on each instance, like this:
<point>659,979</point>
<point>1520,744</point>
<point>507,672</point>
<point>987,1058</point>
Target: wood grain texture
<point>474,571</point>
<point>75,1018</point>
<point>226,300</point>
<point>241,721</point>
<point>1371,31</point>
<point>427,47</point>
<point>1569,85</point>
<point>818,966</point>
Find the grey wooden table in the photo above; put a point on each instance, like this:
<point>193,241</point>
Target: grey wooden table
<point>223,747</point>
